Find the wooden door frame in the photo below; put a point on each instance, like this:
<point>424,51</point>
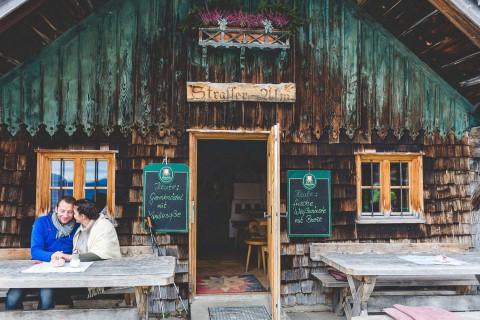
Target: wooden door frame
<point>194,136</point>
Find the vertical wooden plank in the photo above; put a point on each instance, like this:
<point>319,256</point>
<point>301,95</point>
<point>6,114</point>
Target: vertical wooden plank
<point>335,70</point>
<point>318,13</point>
<point>126,46</point>
<point>428,105</point>
<point>445,112</point>
<point>162,69</point>
<point>414,100</point>
<point>367,86</point>
<point>51,99</point>
<point>383,84</point>
<point>143,105</point>
<point>70,84</point>
<point>398,93</point>
<point>107,72</point>
<point>461,123</point>
<point>178,99</point>
<point>350,70</point>
<point>12,106</point>
<point>32,93</point>
<point>88,92</point>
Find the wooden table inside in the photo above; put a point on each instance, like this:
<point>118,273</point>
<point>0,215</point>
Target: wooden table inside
<point>138,272</point>
<point>363,269</point>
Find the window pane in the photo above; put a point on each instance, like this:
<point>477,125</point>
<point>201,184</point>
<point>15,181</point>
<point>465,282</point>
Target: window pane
<point>370,200</point>
<point>101,173</point>
<point>90,194</point>
<point>367,169</point>
<point>101,199</point>
<point>62,173</point>
<point>366,174</point>
<point>405,179</point>
<point>97,196</point>
<point>405,200</point>
<point>394,173</point>
<point>395,200</point>
<point>376,173</point>
<point>68,173</point>
<point>90,173</point>
<point>56,175</point>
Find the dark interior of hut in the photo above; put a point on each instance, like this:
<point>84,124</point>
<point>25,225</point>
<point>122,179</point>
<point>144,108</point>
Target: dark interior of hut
<point>231,193</point>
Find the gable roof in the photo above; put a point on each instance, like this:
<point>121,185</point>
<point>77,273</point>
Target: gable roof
<point>445,34</point>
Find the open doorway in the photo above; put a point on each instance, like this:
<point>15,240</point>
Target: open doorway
<point>231,202</point>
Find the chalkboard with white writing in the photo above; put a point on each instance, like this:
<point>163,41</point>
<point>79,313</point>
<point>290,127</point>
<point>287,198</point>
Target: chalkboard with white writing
<point>309,203</point>
<point>165,196</point>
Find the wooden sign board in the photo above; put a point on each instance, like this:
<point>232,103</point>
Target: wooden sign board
<point>226,92</point>
<point>309,203</point>
<point>165,196</point>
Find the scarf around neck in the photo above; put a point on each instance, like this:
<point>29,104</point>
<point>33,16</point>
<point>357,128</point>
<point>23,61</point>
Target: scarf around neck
<point>82,242</point>
<point>63,230</point>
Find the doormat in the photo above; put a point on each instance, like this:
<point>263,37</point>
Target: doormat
<point>228,284</point>
<point>239,313</point>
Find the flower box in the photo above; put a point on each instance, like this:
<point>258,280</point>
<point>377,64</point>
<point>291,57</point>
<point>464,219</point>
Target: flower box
<point>239,37</point>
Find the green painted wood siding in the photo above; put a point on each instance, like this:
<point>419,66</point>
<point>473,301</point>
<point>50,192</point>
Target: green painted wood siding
<point>127,65</point>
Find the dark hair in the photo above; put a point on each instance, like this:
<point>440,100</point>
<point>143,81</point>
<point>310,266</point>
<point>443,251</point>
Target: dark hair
<point>67,199</point>
<point>88,208</point>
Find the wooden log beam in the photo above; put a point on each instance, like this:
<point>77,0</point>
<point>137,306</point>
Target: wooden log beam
<point>464,15</point>
<point>15,10</point>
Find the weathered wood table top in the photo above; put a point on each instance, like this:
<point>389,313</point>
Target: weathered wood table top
<point>129,272</point>
<point>389,264</point>
<point>363,269</point>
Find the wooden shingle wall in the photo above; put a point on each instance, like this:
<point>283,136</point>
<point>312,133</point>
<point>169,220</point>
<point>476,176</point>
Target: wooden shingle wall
<point>17,188</point>
<point>447,177</point>
<point>449,218</point>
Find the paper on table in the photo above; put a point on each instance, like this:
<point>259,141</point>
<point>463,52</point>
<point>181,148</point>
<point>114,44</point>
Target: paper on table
<point>45,267</point>
<point>431,260</point>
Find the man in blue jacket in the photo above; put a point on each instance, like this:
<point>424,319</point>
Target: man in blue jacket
<point>52,235</point>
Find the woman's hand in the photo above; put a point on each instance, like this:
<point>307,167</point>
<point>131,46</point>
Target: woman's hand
<point>66,257</point>
<point>57,255</point>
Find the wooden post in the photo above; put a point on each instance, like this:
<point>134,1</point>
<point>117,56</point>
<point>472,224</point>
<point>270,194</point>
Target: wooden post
<point>141,298</point>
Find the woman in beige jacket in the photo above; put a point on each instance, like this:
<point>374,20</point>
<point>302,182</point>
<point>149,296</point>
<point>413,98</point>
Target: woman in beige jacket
<point>96,238</point>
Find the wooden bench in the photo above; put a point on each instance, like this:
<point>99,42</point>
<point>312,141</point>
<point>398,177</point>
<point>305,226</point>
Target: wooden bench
<point>84,314</point>
<point>467,315</point>
<point>385,296</point>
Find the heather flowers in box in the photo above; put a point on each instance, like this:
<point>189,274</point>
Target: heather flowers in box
<point>268,16</point>
<point>241,19</point>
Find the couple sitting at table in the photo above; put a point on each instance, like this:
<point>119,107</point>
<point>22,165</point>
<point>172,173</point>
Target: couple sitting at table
<point>54,236</point>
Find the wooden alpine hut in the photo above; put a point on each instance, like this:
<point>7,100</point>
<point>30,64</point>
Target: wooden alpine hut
<point>349,121</point>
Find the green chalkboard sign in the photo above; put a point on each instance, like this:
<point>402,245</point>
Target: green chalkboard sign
<point>309,203</point>
<point>165,196</point>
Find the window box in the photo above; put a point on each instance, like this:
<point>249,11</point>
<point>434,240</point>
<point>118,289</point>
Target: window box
<point>389,188</point>
<point>239,37</point>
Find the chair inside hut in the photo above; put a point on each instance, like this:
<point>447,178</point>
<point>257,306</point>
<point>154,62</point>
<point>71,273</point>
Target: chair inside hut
<point>231,227</point>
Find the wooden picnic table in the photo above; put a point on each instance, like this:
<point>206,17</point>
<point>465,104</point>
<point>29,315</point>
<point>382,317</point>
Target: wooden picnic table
<point>138,272</point>
<point>362,271</point>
